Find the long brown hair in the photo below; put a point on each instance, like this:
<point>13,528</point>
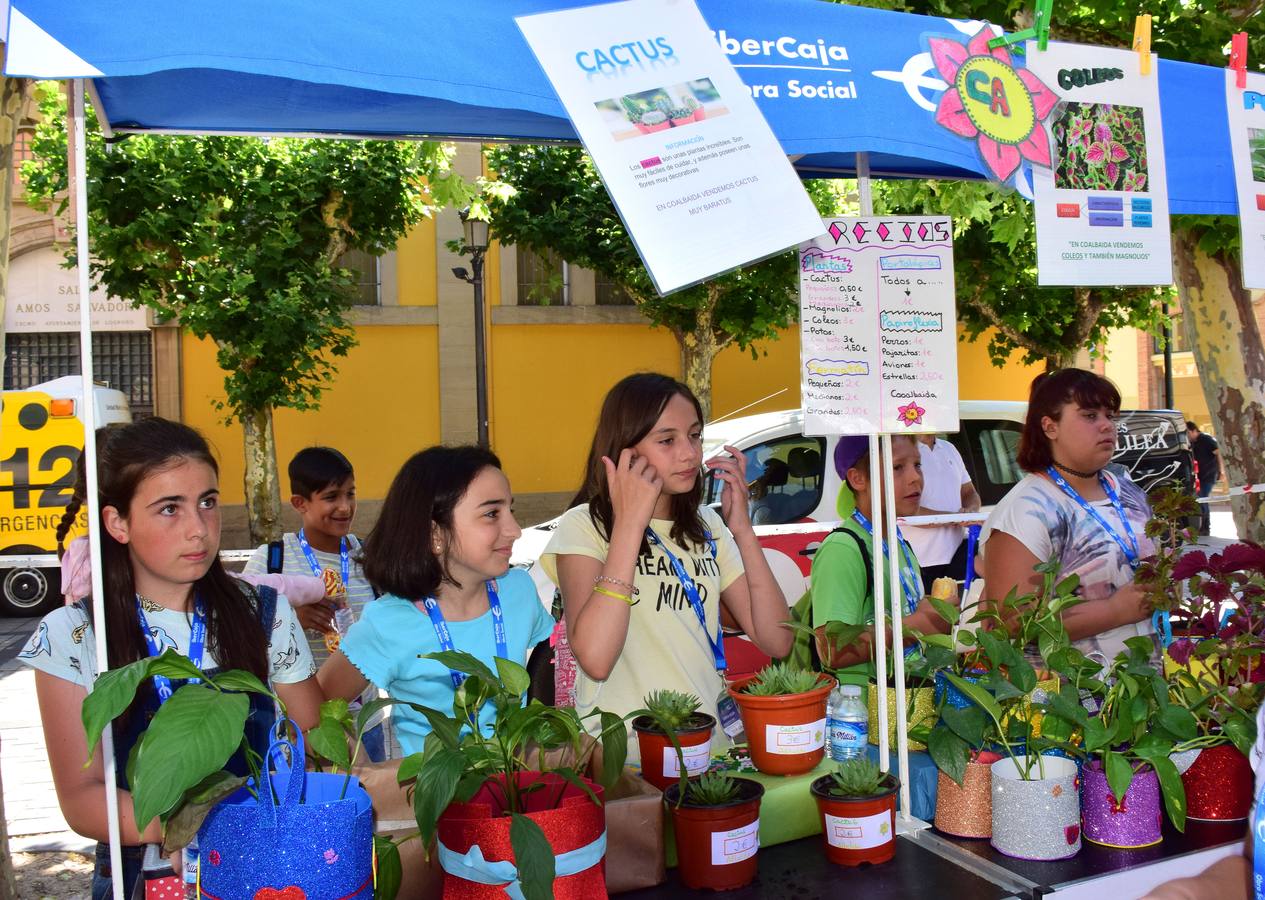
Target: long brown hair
<point>630,410</point>
<point>126,455</point>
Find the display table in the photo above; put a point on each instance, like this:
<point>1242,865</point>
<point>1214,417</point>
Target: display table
<point>1106,868</point>
<point>800,870</point>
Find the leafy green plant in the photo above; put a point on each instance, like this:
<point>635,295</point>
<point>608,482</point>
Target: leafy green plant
<point>858,777</point>
<point>671,709</point>
<point>1172,511</point>
<point>459,759</point>
<point>780,678</point>
<point>711,789</point>
<point>1101,146</point>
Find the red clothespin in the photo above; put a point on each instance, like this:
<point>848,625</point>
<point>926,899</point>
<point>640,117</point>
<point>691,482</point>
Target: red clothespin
<point>1238,58</point>
<point>1142,42</point>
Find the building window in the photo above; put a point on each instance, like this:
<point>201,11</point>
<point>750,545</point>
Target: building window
<point>543,278</point>
<point>610,293</point>
<point>366,277</point>
<point>123,360</point>
<point>21,153</point>
<point>1177,339</point>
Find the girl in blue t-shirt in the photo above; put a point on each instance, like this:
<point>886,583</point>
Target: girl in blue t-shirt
<point>440,555</point>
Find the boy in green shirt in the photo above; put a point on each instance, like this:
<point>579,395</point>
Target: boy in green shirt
<point>842,588</point>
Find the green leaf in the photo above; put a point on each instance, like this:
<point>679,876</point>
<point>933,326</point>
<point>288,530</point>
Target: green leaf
<point>330,741</point>
<point>183,825</point>
<point>533,855</point>
<point>1241,730</point>
<point>436,784</point>
<point>409,767</point>
<point>369,710</point>
<point>237,680</point>
<point>978,696</point>
<point>191,736</point>
<point>514,676</point>
<point>390,868</point>
<point>969,723</point>
<point>947,611</point>
<point>336,710</point>
<point>569,774</point>
<point>111,694</point>
<point>460,661</point>
<point>615,748</point>
<point>1179,722</point>
<point>1119,774</point>
<point>446,728</point>
<point>949,752</point>
<point>1173,790</point>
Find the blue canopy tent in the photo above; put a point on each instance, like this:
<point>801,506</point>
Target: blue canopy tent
<point>464,71</point>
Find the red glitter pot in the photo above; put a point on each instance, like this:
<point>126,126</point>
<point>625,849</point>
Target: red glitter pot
<point>1218,785</point>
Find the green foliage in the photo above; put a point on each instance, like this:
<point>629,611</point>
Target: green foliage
<point>239,238</point>
<point>459,758</point>
<point>779,679</point>
<point>711,789</point>
<point>1172,511</point>
<point>672,709</point>
<point>857,777</point>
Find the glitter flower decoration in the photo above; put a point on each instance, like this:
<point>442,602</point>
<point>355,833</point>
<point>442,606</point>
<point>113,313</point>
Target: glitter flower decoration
<point>990,101</point>
<point>214,857</point>
<point>910,414</point>
<point>330,857</point>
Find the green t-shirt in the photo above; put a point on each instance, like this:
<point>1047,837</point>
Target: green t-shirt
<point>839,587</point>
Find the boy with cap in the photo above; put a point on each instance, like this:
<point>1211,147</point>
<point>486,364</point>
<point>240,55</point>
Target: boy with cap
<point>842,587</point>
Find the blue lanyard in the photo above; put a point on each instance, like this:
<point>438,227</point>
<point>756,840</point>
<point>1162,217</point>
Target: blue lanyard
<point>344,559</point>
<point>908,582</point>
<point>1258,847</point>
<point>444,636</point>
<point>1130,549</point>
<point>691,594</point>
<point>197,641</point>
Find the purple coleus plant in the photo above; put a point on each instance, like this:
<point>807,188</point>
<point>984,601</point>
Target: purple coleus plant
<point>1101,146</point>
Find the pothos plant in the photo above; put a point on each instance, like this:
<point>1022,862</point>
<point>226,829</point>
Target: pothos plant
<point>1004,713</point>
<point>459,758</point>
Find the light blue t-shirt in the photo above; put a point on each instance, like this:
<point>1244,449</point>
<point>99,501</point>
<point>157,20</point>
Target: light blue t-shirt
<point>392,633</point>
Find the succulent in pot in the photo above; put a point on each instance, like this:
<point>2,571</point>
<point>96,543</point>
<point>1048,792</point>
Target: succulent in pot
<point>716,823</point>
<point>674,738</point>
<point>857,804</point>
<point>783,711</point>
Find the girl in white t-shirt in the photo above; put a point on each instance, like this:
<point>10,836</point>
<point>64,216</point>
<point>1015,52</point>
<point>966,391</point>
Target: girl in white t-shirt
<point>1071,509</point>
<point>636,526</point>
<point>164,589</point>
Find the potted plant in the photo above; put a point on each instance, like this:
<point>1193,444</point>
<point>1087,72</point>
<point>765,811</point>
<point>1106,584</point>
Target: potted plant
<point>654,120</point>
<point>177,772</point>
<point>1035,795</point>
<point>858,809</point>
<point>696,108</point>
<point>681,115</point>
<point>633,111</point>
<point>716,822</point>
<point>784,715</point>
<point>920,703</point>
<point>1128,742</point>
<point>669,715</point>
<point>499,814</point>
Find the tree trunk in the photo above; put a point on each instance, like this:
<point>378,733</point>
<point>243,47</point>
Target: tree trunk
<point>263,493</point>
<point>13,95</point>
<point>1220,328</point>
<point>698,350</point>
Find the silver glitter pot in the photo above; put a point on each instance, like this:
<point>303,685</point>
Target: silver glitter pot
<point>1038,819</point>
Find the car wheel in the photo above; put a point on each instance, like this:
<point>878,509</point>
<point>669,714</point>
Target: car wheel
<point>29,591</point>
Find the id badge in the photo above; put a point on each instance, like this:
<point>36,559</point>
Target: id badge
<point>730,718</point>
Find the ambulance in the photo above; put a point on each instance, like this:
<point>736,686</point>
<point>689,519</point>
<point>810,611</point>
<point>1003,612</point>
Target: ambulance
<point>41,438</point>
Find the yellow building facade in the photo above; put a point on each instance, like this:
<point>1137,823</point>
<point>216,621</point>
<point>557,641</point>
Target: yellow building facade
<point>410,381</point>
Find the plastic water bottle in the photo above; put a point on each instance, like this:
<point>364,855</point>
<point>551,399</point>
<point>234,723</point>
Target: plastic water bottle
<point>848,723</point>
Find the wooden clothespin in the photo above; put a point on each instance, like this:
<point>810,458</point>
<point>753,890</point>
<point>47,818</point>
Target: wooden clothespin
<point>1142,42</point>
<point>1040,30</point>
<point>1238,58</point>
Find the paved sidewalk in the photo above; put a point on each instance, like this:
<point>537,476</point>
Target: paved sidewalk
<point>30,803</point>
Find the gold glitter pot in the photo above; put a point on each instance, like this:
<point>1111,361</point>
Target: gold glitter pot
<point>1041,818</point>
<point>966,811</point>
<point>920,712</point>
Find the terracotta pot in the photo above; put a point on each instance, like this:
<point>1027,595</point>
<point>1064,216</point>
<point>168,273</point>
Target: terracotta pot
<point>967,811</point>
<point>1219,784</point>
<point>644,129</point>
<point>786,734</point>
<point>716,846</point>
<point>570,820</point>
<point>1133,822</point>
<point>1037,819</point>
<point>920,711</point>
<point>857,830</point>
<point>682,120</point>
<point>700,114</point>
<point>659,763</point>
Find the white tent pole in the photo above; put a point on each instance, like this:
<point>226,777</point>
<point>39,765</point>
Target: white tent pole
<point>88,414</point>
<point>898,603</point>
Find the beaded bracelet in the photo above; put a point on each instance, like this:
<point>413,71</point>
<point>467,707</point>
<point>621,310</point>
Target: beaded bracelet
<point>632,588</point>
<point>601,590</point>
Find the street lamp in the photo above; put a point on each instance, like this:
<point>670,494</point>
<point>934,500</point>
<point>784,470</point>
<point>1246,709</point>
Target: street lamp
<point>476,244</point>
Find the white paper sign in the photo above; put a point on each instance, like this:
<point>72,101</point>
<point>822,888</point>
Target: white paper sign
<point>734,846</point>
<point>44,297</point>
<point>1246,107</point>
<point>791,740</point>
<point>1102,210</point>
<point>878,327</point>
<point>697,758</point>
<point>693,168</point>
<point>858,832</point>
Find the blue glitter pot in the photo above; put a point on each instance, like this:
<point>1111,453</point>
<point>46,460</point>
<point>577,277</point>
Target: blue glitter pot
<point>1039,818</point>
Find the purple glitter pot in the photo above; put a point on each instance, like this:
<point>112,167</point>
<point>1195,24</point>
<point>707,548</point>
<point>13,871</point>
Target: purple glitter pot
<point>1038,818</point>
<point>1134,821</point>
